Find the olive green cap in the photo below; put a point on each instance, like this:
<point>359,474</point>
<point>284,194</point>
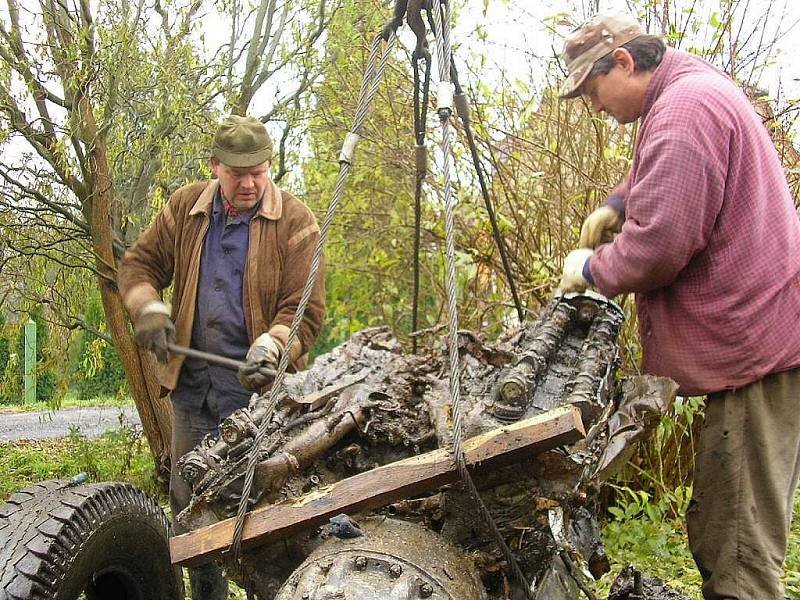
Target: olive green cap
<point>597,37</point>
<point>241,142</point>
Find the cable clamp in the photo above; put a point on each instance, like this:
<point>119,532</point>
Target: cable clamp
<point>462,106</point>
<point>349,148</point>
<point>421,158</point>
<point>444,98</point>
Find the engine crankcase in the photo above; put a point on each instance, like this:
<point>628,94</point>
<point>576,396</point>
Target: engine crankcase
<point>393,560</point>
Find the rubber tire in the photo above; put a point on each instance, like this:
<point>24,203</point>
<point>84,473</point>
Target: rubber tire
<point>107,540</point>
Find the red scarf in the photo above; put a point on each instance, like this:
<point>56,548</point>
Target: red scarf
<point>230,210</point>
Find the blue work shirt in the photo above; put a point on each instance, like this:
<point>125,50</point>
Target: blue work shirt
<point>219,325</point>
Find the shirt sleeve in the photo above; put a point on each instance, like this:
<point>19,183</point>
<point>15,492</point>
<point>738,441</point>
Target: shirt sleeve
<point>671,208</point>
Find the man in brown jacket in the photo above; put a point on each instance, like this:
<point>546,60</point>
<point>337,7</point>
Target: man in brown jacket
<point>239,251</point>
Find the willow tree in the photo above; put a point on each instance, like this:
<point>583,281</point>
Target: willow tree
<point>103,110</point>
<point>272,62</point>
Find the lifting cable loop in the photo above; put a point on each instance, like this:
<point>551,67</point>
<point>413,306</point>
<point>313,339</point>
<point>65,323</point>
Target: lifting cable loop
<point>462,109</point>
<point>369,89</point>
<point>421,163</point>
<point>441,16</point>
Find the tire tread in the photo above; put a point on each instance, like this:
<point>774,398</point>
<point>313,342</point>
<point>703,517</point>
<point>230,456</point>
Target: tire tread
<point>43,525</point>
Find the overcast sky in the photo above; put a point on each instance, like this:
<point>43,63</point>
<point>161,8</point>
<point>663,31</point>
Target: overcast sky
<point>519,31</point>
<point>520,38</point>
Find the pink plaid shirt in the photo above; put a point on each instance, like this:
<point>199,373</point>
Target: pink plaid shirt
<point>711,240</point>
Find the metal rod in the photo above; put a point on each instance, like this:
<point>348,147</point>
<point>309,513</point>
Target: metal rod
<point>222,361</point>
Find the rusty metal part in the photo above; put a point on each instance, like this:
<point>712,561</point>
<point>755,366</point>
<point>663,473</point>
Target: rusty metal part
<point>393,560</point>
<point>643,400</point>
<point>631,584</point>
<point>372,405</point>
<point>209,455</point>
<point>518,385</point>
<point>317,400</point>
<point>214,487</point>
<point>569,356</point>
<point>638,591</point>
<point>599,357</point>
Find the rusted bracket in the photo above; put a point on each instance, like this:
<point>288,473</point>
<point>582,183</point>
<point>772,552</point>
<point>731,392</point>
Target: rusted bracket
<point>318,399</point>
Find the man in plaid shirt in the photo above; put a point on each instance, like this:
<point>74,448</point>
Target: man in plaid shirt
<point>704,231</point>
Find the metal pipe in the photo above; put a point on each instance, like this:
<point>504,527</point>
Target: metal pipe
<point>222,361</point>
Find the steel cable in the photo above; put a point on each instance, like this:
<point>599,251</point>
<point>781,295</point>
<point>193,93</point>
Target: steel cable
<point>420,156</point>
<point>441,32</point>
<point>369,88</point>
<point>463,112</point>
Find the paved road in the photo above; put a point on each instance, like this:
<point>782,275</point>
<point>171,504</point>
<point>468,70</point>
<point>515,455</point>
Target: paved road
<point>92,422</point>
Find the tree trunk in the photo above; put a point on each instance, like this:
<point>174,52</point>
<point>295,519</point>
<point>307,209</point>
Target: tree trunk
<point>154,411</point>
<point>140,371</point>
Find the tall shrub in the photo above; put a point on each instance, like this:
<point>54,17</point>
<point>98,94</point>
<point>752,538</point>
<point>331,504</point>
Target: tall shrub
<point>99,369</point>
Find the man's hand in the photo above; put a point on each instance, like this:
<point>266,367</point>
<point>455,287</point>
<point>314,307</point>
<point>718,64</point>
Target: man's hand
<point>572,279</point>
<point>153,329</point>
<point>600,227</point>
<point>260,364</point>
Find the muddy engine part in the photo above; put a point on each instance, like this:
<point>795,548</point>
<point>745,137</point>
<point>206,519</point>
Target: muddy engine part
<point>366,404</point>
<point>393,560</point>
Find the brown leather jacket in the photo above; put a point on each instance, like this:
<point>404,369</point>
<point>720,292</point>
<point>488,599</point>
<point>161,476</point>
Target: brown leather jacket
<point>283,234</point>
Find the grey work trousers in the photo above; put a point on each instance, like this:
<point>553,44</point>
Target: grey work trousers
<point>746,472</point>
<point>189,427</point>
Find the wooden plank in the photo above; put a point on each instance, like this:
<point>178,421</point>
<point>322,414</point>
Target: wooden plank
<point>381,486</point>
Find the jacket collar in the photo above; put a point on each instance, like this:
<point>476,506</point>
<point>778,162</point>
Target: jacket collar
<point>271,206</point>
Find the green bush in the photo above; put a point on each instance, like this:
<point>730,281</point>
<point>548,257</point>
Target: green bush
<point>5,357</point>
<point>100,370</point>
<point>5,353</point>
<point>121,455</point>
<point>107,380</point>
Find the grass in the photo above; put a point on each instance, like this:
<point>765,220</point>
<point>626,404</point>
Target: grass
<point>641,533</point>
<point>655,545</point>
<point>70,400</point>
<point>120,455</point>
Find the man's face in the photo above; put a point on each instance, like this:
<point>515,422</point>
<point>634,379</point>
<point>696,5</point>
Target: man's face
<point>619,93</point>
<point>243,187</point>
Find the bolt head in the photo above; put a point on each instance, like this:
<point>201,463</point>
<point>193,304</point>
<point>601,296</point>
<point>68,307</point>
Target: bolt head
<point>395,570</point>
<point>360,563</point>
<point>425,590</point>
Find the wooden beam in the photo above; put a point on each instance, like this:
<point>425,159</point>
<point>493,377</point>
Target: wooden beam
<point>381,486</point>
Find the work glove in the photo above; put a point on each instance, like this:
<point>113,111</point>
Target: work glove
<point>153,329</point>
<point>600,227</point>
<point>572,279</point>
<point>260,363</point>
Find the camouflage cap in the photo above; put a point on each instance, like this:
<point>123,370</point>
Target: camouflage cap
<point>241,142</point>
<point>590,42</point>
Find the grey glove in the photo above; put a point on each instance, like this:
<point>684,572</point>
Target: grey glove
<point>153,330</point>
<point>260,363</point>
<point>600,227</point>
<point>572,279</point>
